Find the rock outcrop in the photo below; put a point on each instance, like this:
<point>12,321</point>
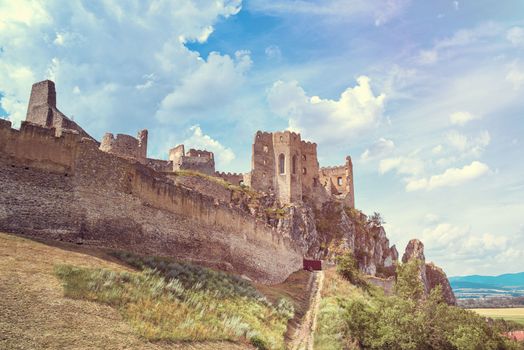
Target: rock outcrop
<point>430,274</point>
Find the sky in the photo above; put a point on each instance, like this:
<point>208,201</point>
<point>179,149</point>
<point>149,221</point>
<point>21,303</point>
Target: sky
<point>426,97</point>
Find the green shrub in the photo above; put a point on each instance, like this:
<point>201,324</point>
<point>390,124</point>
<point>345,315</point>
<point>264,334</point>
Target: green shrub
<point>347,267</point>
<point>406,320</point>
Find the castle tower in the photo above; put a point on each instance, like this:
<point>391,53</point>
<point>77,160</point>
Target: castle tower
<point>142,144</point>
<point>41,103</point>
<point>42,110</point>
<point>288,174</point>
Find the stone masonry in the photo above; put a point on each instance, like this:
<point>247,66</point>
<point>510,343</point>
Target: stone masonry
<point>42,110</point>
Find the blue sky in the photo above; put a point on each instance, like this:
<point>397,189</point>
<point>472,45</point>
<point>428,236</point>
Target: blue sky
<point>424,95</point>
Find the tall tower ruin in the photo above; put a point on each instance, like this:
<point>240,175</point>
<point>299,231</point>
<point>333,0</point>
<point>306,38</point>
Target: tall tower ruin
<point>42,110</point>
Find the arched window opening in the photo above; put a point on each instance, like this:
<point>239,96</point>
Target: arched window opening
<point>281,164</point>
<point>266,149</point>
<point>304,171</point>
<point>304,157</point>
<point>294,164</point>
<point>339,181</point>
<point>241,183</point>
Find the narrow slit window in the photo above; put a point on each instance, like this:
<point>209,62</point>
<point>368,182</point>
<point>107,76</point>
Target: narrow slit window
<point>281,164</point>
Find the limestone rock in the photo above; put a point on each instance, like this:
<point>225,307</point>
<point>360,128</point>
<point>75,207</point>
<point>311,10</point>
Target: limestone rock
<point>436,276</point>
<point>414,250</point>
<point>430,274</point>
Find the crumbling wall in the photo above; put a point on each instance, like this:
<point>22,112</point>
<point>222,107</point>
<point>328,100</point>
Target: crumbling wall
<point>194,160</point>
<point>42,110</point>
<point>66,188</point>
<point>233,178</point>
<point>338,181</point>
<point>126,146</point>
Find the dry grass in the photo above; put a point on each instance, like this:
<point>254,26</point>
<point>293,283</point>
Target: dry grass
<point>508,314</point>
<point>179,309</point>
<point>36,315</point>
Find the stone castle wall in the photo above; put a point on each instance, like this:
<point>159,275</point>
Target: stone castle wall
<point>233,178</point>
<point>126,146</point>
<point>194,160</point>
<point>66,188</point>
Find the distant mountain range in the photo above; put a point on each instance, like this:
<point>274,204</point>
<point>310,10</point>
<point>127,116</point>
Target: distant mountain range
<point>476,286</point>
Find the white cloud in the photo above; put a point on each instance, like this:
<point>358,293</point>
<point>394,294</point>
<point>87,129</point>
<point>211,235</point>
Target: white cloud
<point>382,147</point>
<point>515,35</point>
<point>428,56</point>
<point>460,247</point>
<point>515,74</point>
<point>102,59</point>
<point>449,178</point>
<point>402,165</point>
<point>461,38</point>
<point>273,52</point>
<point>437,149</point>
<point>209,86</point>
<point>462,117</point>
<point>380,11</point>
<point>326,120</point>
<point>469,146</point>
<point>199,140</point>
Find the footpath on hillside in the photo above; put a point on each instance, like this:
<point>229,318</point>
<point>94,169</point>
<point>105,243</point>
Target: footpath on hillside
<point>302,339</point>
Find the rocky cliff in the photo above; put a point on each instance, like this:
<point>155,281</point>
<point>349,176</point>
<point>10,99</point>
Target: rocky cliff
<point>430,274</point>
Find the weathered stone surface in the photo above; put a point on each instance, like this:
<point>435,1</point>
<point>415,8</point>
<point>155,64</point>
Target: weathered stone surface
<point>414,250</point>
<point>436,276</point>
<point>66,188</point>
<point>430,274</point>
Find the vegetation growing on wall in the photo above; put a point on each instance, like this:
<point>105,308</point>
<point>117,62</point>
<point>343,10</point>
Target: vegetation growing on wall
<point>182,302</point>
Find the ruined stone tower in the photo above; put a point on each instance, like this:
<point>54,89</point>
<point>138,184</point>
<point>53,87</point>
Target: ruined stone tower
<point>285,165</point>
<point>338,181</point>
<point>42,110</point>
<point>126,146</point>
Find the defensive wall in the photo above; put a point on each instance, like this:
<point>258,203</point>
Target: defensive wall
<point>64,187</point>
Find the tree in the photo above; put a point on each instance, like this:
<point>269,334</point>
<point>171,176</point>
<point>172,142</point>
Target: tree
<point>409,284</point>
<point>376,220</point>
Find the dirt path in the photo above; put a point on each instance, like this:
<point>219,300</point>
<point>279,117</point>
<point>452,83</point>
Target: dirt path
<point>303,337</point>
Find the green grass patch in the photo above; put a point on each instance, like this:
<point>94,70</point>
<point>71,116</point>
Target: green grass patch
<point>183,308</point>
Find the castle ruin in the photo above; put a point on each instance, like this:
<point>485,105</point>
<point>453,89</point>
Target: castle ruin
<point>282,163</point>
<point>42,110</point>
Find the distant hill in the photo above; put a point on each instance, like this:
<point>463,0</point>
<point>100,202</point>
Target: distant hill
<point>506,281</point>
<point>476,287</point>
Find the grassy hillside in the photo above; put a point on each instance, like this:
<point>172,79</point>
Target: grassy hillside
<point>66,296</point>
